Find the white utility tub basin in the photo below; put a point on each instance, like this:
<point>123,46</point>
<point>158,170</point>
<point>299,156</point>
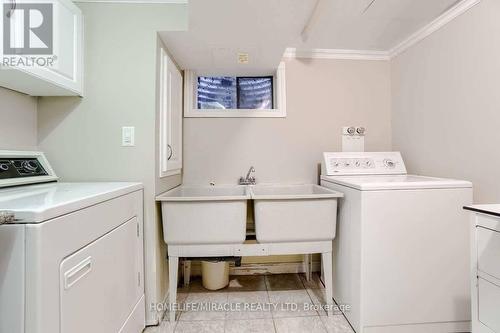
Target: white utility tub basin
<point>294,213</point>
<point>204,215</point>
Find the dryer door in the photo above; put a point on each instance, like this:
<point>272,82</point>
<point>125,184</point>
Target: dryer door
<point>100,284</point>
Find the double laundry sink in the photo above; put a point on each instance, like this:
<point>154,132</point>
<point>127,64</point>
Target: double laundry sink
<point>218,214</point>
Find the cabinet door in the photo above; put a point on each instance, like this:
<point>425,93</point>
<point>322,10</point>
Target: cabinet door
<point>68,44</point>
<point>101,283</point>
<point>66,76</point>
<point>170,117</point>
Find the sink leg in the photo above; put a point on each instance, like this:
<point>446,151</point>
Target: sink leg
<point>173,267</point>
<point>326,261</point>
<point>308,264</point>
<point>187,272</point>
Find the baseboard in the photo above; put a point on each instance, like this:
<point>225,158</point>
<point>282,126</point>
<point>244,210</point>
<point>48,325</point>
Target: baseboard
<point>266,268</point>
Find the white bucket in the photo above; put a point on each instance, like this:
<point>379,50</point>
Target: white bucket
<point>215,274</point>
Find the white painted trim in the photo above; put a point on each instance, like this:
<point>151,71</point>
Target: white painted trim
<point>244,250</point>
<point>166,116</point>
<point>234,113</point>
<point>142,2</point>
<point>164,126</point>
<point>279,96</point>
<point>280,89</point>
<point>341,54</point>
<point>336,54</point>
<point>435,25</point>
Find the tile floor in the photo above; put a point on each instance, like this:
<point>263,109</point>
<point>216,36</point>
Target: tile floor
<point>281,289</point>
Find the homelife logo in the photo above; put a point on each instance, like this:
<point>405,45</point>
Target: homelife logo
<point>28,35</point>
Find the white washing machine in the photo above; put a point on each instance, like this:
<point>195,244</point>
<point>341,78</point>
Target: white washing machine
<point>71,254</point>
<point>401,256</point>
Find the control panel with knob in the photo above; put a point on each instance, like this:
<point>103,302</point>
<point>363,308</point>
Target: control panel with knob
<point>389,163</point>
<point>24,168</point>
<point>20,168</point>
<point>362,163</point>
<point>30,165</point>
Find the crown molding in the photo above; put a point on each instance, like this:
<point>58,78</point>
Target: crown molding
<point>433,26</point>
<point>336,54</point>
<point>413,39</point>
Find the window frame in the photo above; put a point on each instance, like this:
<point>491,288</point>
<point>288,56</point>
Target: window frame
<point>279,100</point>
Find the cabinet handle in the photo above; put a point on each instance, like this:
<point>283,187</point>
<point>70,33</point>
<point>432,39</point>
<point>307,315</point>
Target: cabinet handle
<point>171,152</point>
<point>77,272</point>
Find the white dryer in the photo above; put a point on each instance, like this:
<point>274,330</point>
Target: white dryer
<point>71,254</point>
<point>401,256</point>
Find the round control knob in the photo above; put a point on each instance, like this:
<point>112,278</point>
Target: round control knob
<point>30,166</point>
<point>357,163</point>
<point>6,217</point>
<point>389,163</point>
<point>4,167</point>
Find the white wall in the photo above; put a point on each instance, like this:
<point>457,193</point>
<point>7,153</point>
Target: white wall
<point>82,136</point>
<point>446,102</point>
<point>322,96</point>
<point>18,121</point>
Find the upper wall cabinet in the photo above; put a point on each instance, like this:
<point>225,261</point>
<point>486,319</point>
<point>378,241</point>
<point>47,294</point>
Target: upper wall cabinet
<point>42,49</point>
<point>170,105</point>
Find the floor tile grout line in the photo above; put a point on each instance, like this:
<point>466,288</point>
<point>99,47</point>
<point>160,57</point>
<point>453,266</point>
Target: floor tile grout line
<point>308,295</point>
<point>301,281</point>
<point>274,325</point>
<point>323,324</point>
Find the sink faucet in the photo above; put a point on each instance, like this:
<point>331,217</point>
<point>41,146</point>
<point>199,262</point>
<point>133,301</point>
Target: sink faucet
<point>248,180</point>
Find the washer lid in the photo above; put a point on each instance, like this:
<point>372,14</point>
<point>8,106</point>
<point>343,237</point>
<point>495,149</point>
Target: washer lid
<point>38,203</point>
<point>395,182</point>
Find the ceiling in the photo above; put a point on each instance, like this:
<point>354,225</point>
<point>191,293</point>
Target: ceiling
<point>377,25</point>
<point>221,29</point>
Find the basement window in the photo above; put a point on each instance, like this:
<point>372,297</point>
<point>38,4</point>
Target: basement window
<point>230,92</point>
<point>235,96</point>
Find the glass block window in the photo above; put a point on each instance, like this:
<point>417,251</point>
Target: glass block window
<point>229,92</point>
<point>255,92</point>
<point>216,92</point>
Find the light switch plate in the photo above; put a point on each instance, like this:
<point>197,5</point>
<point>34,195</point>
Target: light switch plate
<point>128,136</point>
